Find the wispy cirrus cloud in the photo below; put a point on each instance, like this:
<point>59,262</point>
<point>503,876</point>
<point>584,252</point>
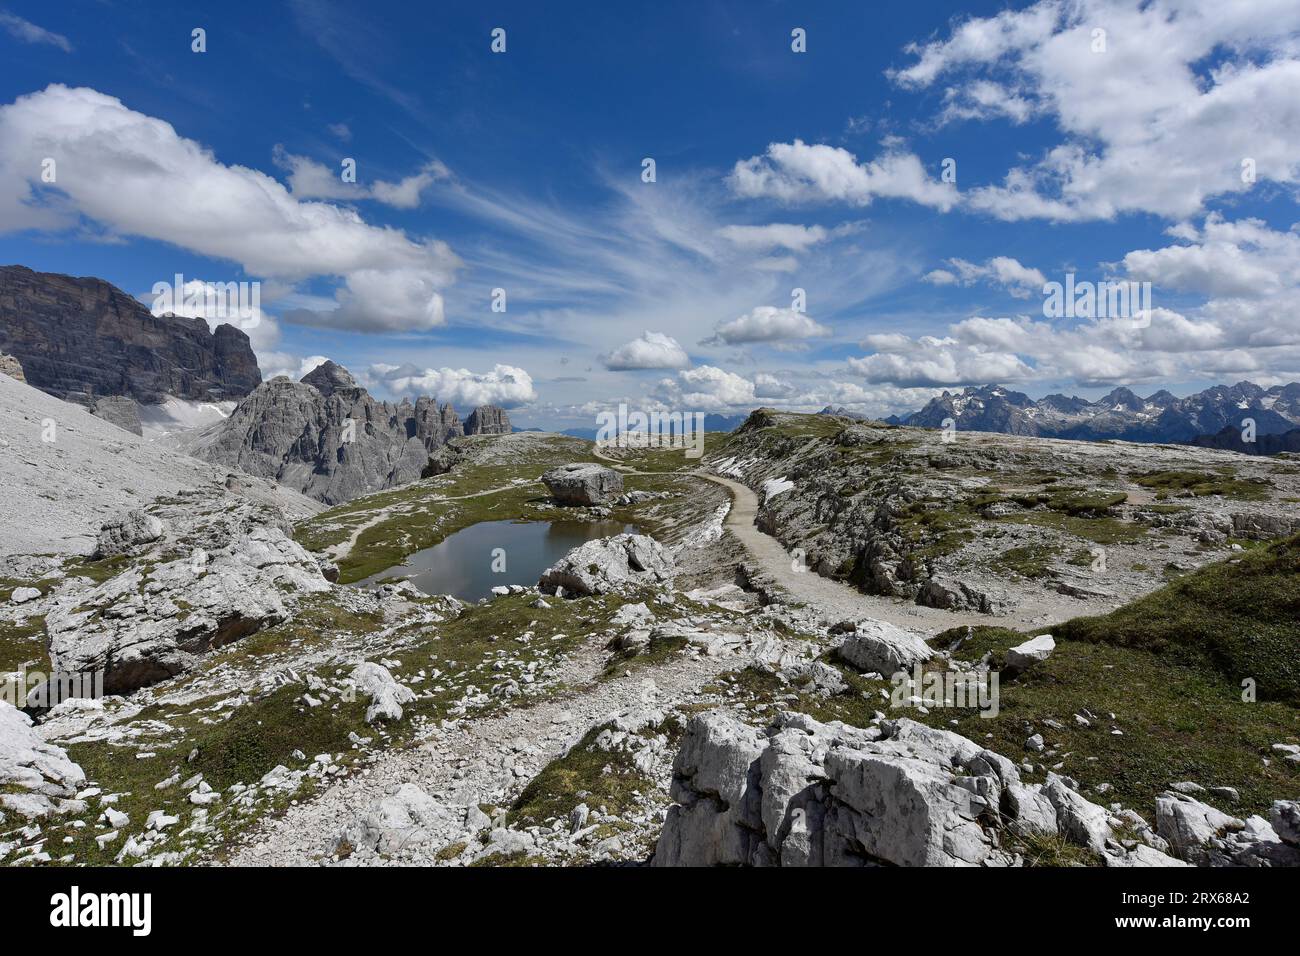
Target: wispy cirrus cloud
<point>29,32</point>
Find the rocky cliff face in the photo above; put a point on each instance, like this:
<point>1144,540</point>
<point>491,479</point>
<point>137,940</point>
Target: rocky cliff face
<point>327,437</point>
<point>82,338</point>
<point>488,420</point>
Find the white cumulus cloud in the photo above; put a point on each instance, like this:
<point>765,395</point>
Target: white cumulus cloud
<point>648,350</point>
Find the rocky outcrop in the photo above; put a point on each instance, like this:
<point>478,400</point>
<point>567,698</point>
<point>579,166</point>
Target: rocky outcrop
<point>155,621</point>
<point>122,411</point>
<point>127,533</point>
<point>883,648</point>
<point>805,793</point>
<point>80,339</point>
<point>1031,652</point>
<point>614,565</point>
<point>327,437</point>
<point>583,483</point>
<point>12,367</point>
<point>1205,836</point>
<point>487,420</point>
<point>36,778</point>
<point>386,695</point>
<point>405,818</point>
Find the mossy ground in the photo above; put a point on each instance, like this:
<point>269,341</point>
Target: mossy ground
<point>1172,483</point>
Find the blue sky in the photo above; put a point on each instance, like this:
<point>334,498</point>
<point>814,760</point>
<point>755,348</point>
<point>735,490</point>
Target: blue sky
<point>1113,155</point>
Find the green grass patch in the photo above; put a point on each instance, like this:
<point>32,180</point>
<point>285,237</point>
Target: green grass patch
<point>1241,617</point>
<point>1200,484</point>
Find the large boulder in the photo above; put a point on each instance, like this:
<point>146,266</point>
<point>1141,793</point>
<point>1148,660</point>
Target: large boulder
<point>127,533</point>
<point>12,367</point>
<point>806,793</point>
<point>883,648</point>
<point>390,824</point>
<point>153,622</point>
<point>36,778</point>
<point>583,483</point>
<point>386,695</point>
<point>1031,652</point>
<point>1205,836</point>
<point>614,565</point>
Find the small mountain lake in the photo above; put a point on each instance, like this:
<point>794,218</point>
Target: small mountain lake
<point>462,564</point>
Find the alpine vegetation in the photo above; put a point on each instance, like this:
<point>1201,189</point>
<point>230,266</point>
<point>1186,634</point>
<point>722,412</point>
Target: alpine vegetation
<point>758,435</point>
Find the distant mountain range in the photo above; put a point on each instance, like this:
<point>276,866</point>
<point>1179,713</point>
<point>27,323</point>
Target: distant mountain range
<point>1230,439</point>
<point>1161,417</point>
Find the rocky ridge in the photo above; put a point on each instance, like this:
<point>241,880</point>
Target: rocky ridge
<point>328,438</point>
<point>79,339</point>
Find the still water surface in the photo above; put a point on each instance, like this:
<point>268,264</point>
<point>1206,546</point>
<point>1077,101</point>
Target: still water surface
<point>461,564</point>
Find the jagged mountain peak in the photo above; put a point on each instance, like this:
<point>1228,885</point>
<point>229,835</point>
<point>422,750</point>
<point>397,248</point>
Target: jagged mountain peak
<point>329,377</point>
<point>1121,414</point>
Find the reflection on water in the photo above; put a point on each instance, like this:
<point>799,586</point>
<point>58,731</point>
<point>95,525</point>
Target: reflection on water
<point>462,563</point>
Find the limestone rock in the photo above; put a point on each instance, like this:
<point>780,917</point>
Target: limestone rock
<point>12,367</point>
<point>121,410</point>
<point>1284,815</point>
<point>81,338</point>
<point>394,822</point>
<point>884,648</point>
<point>153,622</point>
<point>806,793</point>
<point>1031,652</point>
<point>610,566</point>
<point>327,437</point>
<point>21,595</point>
<point>583,484</point>
<point>126,533</point>
<point>386,695</point>
<point>35,777</point>
<point>487,420</point>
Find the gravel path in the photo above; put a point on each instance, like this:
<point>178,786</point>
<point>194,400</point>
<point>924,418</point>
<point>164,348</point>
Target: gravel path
<point>488,760</point>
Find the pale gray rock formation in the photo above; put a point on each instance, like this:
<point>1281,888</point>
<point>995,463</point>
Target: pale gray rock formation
<point>386,695</point>
<point>583,483</point>
<point>614,565</point>
<point>99,472</point>
<point>128,533</point>
<point>804,793</point>
<point>81,338</point>
<point>36,778</point>
<point>1205,836</point>
<point>12,367</point>
<point>155,621</point>
<point>327,437</point>
<point>883,648</point>
<point>23,595</point>
<point>1031,652</point>
<point>121,410</point>
<point>1285,819</point>
<point>392,823</point>
<point>487,420</point>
